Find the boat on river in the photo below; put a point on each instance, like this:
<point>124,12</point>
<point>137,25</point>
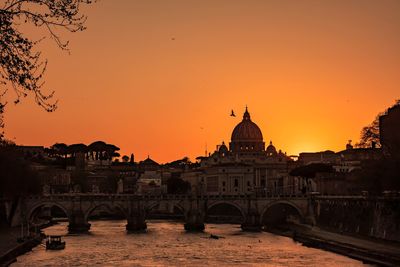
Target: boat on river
<point>54,242</point>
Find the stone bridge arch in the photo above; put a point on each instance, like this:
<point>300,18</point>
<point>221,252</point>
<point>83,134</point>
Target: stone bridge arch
<point>232,210</point>
<point>110,207</point>
<point>277,212</point>
<point>36,206</point>
<point>173,207</point>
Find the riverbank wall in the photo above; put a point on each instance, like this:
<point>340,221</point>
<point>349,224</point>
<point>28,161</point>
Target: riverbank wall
<point>369,256</point>
<point>27,245</point>
<point>370,217</point>
<point>14,247</point>
<point>368,250</point>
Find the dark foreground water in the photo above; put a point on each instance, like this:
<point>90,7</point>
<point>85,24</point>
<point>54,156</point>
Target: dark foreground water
<point>166,244</point>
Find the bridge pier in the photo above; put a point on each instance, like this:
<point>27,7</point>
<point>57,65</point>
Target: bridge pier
<point>78,223</point>
<point>251,222</point>
<point>195,215</point>
<point>194,221</point>
<point>136,222</point>
<point>136,217</point>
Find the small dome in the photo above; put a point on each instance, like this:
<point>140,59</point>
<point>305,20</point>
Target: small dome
<point>149,161</point>
<point>271,150</point>
<point>246,130</point>
<point>223,149</point>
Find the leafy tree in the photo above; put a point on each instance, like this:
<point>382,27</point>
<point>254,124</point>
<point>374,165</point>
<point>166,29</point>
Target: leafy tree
<point>110,151</point>
<point>180,163</point>
<point>76,148</point>
<point>97,149</point>
<point>59,150</point>
<point>310,170</point>
<point>370,134</point>
<point>178,186</point>
<point>21,66</point>
<point>125,158</point>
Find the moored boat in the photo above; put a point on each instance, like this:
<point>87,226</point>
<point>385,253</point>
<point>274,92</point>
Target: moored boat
<point>54,242</point>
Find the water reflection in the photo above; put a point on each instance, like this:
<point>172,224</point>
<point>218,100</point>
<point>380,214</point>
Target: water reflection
<point>166,243</point>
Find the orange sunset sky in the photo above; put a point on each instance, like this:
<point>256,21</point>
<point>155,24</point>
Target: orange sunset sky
<point>160,78</point>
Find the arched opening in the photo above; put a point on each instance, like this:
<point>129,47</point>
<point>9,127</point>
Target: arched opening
<point>105,212</point>
<point>224,213</point>
<point>281,215</point>
<point>46,214</point>
<point>165,212</point>
<point>57,213</point>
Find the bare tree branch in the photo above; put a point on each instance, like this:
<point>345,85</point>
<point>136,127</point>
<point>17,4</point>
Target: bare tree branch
<point>21,67</point>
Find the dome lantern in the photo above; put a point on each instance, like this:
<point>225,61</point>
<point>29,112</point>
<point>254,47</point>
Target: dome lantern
<point>246,115</point>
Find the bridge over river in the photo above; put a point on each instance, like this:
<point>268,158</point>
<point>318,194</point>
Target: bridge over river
<point>255,211</point>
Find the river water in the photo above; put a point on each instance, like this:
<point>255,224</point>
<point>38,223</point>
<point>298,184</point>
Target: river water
<point>167,244</point>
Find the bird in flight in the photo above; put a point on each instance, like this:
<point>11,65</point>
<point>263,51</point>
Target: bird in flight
<point>233,113</point>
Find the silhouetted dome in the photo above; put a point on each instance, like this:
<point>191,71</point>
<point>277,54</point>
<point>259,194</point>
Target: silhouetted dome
<point>223,148</point>
<point>148,164</point>
<point>271,150</point>
<point>149,161</point>
<point>246,130</point>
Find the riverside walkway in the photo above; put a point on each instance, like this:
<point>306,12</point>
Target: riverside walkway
<point>376,251</point>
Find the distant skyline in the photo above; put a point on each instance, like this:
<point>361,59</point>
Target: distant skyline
<point>160,78</point>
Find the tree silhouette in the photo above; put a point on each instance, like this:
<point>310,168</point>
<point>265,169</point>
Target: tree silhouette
<point>176,185</point>
<point>21,66</point>
<point>59,150</point>
<point>111,151</point>
<point>310,170</point>
<point>76,148</point>
<point>125,158</point>
<point>180,163</point>
<point>370,134</point>
<point>97,149</point>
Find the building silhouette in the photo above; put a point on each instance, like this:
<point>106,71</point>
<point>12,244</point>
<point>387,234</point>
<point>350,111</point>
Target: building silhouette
<point>389,131</point>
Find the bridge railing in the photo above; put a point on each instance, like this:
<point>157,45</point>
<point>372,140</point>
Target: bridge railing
<point>167,196</point>
<point>254,195</point>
